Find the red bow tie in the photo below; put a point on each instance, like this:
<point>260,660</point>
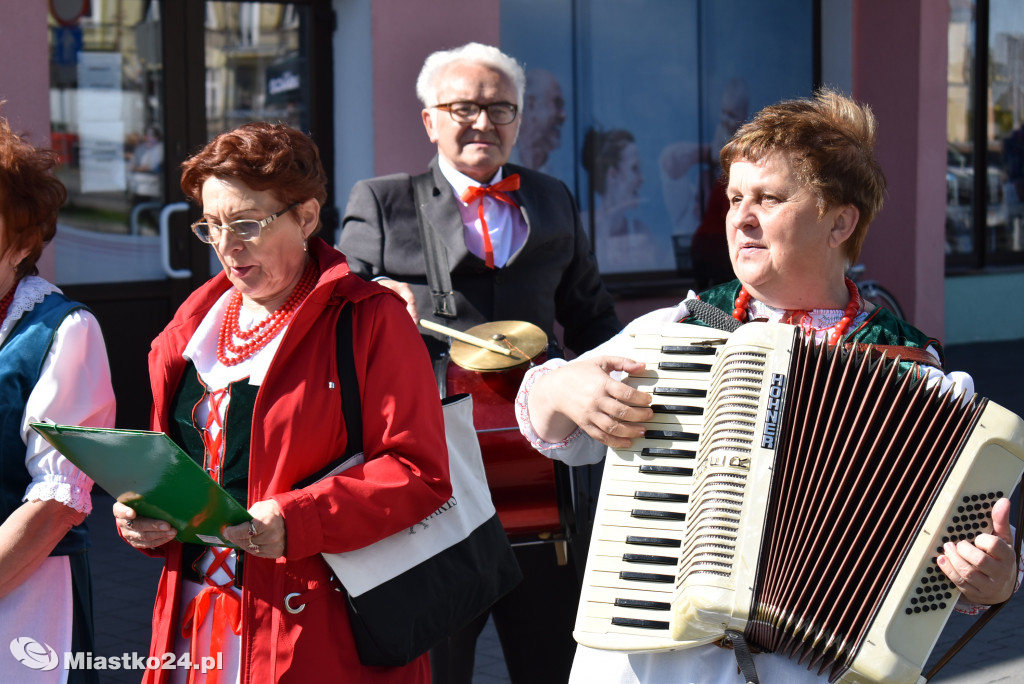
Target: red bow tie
<point>496,191</point>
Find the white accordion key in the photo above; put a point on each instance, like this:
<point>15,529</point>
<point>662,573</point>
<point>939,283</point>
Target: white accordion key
<point>634,552</point>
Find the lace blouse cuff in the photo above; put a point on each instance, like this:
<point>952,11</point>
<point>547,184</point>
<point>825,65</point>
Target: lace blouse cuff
<point>73,491</point>
<point>523,409</point>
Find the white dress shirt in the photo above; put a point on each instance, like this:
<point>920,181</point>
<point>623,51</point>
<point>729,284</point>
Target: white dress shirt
<point>505,223</point>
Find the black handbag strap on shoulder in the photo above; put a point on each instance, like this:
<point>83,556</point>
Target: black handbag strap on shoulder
<point>351,409</point>
<point>350,406</point>
<point>436,259</point>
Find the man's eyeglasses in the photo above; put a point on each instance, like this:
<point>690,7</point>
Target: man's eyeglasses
<point>245,229</point>
<point>499,113</point>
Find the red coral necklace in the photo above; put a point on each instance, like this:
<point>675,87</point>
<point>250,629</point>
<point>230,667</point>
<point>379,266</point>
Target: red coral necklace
<point>5,303</point>
<point>257,337</point>
<point>840,328</point>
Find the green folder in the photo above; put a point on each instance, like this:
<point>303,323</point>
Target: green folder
<point>150,473</point>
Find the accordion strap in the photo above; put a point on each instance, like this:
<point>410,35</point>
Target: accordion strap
<point>912,354</point>
<point>744,658</point>
<point>434,255</point>
<point>993,610</point>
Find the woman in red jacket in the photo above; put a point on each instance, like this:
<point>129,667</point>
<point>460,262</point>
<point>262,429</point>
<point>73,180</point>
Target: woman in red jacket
<point>245,380</point>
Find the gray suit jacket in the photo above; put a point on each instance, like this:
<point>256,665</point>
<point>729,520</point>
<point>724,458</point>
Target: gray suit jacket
<point>553,276</point>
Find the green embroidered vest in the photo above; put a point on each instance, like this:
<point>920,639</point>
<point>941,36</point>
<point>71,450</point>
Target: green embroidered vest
<point>881,326</point>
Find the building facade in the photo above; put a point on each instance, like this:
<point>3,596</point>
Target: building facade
<point>627,102</point>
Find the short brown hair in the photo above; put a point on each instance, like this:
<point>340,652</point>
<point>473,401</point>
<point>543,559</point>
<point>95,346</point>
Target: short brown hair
<point>30,197</point>
<point>264,156</point>
<point>830,143</point>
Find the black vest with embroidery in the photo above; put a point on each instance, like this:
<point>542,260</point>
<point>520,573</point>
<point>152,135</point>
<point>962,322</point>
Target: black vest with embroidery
<point>186,432</point>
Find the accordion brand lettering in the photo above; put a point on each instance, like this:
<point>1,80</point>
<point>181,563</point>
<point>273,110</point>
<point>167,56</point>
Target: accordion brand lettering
<point>773,412</point>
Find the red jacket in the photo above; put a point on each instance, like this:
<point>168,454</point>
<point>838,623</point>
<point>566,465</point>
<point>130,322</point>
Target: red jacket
<point>297,429</point>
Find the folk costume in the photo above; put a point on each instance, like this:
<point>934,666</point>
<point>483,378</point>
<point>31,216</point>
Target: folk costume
<point>53,366</point>
<point>709,663</point>
<point>282,423</point>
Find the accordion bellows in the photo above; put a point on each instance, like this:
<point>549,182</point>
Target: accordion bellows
<point>797,493</point>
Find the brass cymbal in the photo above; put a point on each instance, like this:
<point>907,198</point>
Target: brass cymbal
<point>525,340</point>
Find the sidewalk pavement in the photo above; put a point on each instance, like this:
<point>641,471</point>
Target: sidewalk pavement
<point>124,581</point>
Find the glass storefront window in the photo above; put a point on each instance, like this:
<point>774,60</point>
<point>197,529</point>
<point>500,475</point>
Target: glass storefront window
<point>107,75</point>
<point>959,114</point>
<point>255,69</point>
<point>106,103</point>
<point>987,37</point>
<point>636,132</point>
<point>1006,127</point>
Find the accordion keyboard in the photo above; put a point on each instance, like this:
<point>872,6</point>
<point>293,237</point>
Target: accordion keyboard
<point>633,562</point>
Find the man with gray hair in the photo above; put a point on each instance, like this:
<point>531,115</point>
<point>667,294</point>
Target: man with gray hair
<point>515,250</point>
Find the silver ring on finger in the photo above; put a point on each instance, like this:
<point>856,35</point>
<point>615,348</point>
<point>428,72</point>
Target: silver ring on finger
<point>129,523</point>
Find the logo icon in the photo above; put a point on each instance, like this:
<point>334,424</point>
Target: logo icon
<point>34,654</point>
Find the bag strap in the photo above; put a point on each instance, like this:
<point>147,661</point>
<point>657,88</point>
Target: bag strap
<point>903,353</point>
<point>351,409</point>
<point>434,255</point>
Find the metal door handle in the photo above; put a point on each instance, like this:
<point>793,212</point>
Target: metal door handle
<point>165,241</point>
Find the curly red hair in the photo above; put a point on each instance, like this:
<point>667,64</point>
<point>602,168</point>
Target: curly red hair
<point>264,156</point>
<point>30,197</point>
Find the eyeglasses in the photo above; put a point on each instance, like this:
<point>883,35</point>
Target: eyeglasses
<point>245,229</point>
<point>499,113</point>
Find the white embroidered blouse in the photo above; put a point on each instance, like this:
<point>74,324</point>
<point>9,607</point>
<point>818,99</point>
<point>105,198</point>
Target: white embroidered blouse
<point>73,389</point>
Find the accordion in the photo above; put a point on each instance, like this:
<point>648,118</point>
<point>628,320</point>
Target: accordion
<point>793,492</point>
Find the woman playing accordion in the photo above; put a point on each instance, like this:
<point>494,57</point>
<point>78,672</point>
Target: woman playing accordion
<point>803,187</point>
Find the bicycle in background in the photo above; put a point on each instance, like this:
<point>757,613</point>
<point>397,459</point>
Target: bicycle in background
<point>871,291</point>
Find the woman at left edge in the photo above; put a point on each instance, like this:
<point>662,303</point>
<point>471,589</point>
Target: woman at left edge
<point>53,366</point>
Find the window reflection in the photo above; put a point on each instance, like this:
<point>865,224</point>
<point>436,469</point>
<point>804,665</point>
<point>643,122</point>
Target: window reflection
<point>255,66</point>
<point>1006,127</point>
<point>108,119</point>
<point>106,104</point>
<point>1003,141</point>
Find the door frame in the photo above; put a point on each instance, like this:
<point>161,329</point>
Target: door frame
<point>132,314</point>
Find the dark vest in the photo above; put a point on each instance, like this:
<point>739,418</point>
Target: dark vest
<point>186,433</point>
<point>21,361</point>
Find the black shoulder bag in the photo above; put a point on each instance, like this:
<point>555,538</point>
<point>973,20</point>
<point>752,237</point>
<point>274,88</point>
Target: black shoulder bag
<point>408,592</point>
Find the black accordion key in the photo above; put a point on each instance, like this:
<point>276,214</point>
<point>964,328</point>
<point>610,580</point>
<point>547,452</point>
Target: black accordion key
<point>678,409</point>
<point>666,470</point>
<point>671,435</point>
<point>649,558</point>
<point>693,351</point>
<point>647,514</point>
<point>675,453</point>
<point>684,366</point>
<point>680,392</point>
<point>647,605</point>
<point>642,624</point>
<point>653,541</point>
<point>647,577</point>
<point>661,496</point>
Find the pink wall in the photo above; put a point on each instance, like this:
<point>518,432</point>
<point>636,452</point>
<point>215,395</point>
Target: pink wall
<point>404,33</point>
<point>25,79</point>
<point>25,68</point>
<point>899,68</point>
